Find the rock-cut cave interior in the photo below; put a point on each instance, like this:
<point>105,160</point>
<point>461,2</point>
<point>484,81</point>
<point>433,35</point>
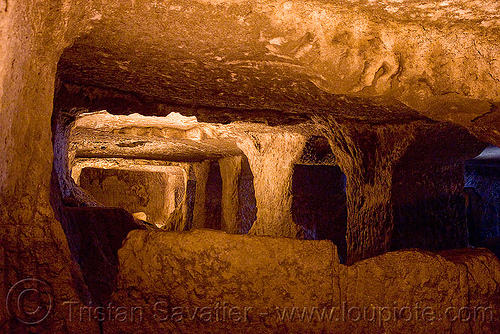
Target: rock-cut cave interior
<point>237,166</point>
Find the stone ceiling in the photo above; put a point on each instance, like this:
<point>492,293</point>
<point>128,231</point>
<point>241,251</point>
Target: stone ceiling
<point>376,61</point>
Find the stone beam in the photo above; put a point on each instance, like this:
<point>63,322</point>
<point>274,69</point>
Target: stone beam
<point>90,143</point>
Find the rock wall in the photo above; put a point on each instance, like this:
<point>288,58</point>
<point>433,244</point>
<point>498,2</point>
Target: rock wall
<point>32,243</point>
<point>200,171</point>
<point>188,282</point>
<point>230,171</point>
<point>134,191</point>
<point>63,122</point>
<point>444,72</point>
<point>404,183</point>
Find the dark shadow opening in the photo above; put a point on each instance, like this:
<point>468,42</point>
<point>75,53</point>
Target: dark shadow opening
<point>213,199</point>
<point>94,234</point>
<point>482,189</point>
<point>319,196</point>
<point>248,205</point>
<point>247,209</point>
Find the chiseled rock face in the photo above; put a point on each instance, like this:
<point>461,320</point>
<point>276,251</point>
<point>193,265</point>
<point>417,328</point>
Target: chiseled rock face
<point>392,60</point>
<point>449,284</point>
<point>176,277</point>
<point>203,267</point>
<point>134,191</point>
<point>404,184</point>
<point>32,242</point>
<point>376,60</point>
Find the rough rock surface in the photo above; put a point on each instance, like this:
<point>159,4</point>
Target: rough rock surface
<point>32,242</point>
<point>230,171</point>
<point>99,144</point>
<point>377,61</point>
<point>200,171</point>
<point>95,235</point>
<point>381,164</point>
<point>63,123</point>
<point>151,193</point>
<point>272,153</point>
<point>203,268</point>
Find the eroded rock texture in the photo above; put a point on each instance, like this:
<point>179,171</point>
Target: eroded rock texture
<point>272,154</point>
<point>200,171</point>
<point>131,190</point>
<point>32,242</point>
<point>230,170</point>
<point>95,235</point>
<point>263,276</point>
<point>404,184</point>
<point>384,65</point>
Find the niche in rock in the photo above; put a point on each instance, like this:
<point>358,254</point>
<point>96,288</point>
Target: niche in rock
<point>229,203</point>
<point>213,197</point>
<point>150,196</point>
<point>319,195</point>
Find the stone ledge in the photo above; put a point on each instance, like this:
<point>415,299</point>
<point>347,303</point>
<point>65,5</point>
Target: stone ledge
<point>208,269</point>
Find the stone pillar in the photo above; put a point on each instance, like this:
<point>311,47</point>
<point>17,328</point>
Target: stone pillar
<point>170,194</point>
<point>272,155</point>
<point>72,194</point>
<point>179,182</point>
<point>404,184</point>
<point>230,171</point>
<point>200,170</point>
<point>190,198</point>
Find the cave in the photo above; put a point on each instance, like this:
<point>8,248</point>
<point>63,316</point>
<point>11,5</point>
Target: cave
<point>224,166</point>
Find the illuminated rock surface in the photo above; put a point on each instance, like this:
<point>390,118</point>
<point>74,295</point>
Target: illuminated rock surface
<point>370,72</point>
<point>268,275</point>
